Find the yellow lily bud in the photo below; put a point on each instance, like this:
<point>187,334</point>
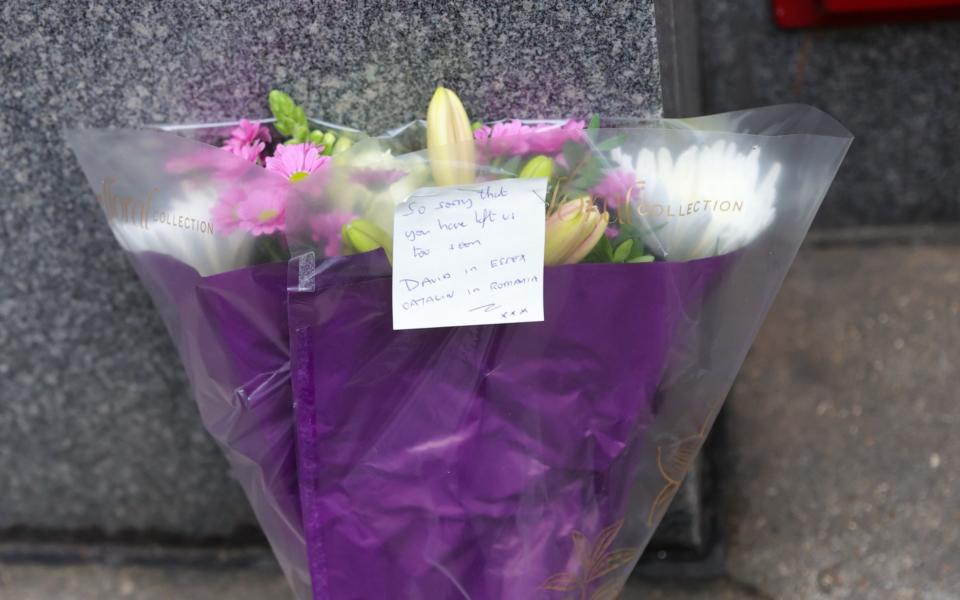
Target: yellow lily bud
<point>572,231</point>
<point>536,167</point>
<point>449,140</point>
<point>360,235</point>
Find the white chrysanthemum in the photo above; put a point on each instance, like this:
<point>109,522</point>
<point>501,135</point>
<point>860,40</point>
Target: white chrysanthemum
<point>181,228</point>
<point>711,199</point>
<point>378,205</point>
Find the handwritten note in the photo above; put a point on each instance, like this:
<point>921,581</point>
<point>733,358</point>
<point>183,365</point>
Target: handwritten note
<point>469,255</point>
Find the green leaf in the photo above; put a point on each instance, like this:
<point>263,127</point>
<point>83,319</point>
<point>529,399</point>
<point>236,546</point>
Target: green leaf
<point>594,122</point>
<point>611,142</point>
<point>573,154</point>
<point>602,252</point>
<point>590,175</point>
<point>640,232</point>
<point>622,253</point>
<point>512,166</point>
<point>641,259</point>
<point>638,249</point>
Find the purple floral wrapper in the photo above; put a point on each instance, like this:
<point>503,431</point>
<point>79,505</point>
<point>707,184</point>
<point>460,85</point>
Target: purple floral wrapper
<point>463,462</point>
<point>231,332</point>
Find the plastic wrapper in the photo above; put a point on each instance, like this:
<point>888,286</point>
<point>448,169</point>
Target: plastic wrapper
<point>226,313</point>
<point>528,460</point>
<point>534,460</point>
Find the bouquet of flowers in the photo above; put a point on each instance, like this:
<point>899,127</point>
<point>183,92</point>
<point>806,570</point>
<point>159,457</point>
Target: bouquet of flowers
<point>463,360</point>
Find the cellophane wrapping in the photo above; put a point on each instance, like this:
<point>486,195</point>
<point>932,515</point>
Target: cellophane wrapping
<point>526,460</point>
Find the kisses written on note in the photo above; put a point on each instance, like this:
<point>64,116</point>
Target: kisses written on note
<point>469,255</point>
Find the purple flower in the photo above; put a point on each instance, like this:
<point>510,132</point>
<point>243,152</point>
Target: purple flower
<point>618,187</point>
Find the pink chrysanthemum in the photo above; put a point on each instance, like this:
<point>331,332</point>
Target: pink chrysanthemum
<point>326,227</point>
<point>297,161</point>
<point>225,217</point>
<point>262,210</point>
<point>506,138</point>
<point>248,141</point>
<point>617,187</point>
<point>549,139</point>
<point>247,133</point>
<point>248,152</point>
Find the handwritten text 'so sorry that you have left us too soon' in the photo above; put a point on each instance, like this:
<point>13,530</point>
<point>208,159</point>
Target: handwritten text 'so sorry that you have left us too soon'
<point>469,255</point>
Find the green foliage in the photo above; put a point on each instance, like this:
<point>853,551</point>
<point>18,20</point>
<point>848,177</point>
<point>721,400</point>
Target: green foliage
<point>625,249</point>
<point>291,122</point>
<point>601,253</point>
<point>573,154</point>
<point>622,252</point>
<point>316,137</point>
<point>512,166</point>
<point>583,170</point>
<point>614,141</point>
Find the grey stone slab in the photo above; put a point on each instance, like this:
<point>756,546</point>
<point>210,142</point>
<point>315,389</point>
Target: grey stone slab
<point>895,86</point>
<point>97,430</point>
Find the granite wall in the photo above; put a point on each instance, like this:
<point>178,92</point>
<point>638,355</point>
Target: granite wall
<point>97,429</point>
<point>896,86</point>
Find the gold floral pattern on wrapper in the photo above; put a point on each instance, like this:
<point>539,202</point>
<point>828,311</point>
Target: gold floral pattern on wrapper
<point>673,461</point>
<point>596,561</point>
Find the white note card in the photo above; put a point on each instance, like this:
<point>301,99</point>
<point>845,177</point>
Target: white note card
<point>469,255</point>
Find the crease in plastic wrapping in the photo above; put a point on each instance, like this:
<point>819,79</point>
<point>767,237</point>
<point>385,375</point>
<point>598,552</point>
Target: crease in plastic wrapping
<point>529,460</point>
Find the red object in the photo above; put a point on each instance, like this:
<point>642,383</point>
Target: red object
<point>815,13</point>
